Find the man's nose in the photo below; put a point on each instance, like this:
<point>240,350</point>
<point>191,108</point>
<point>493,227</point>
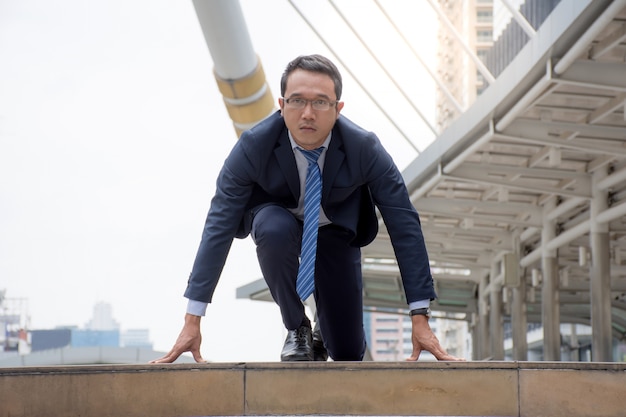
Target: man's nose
<point>308,110</point>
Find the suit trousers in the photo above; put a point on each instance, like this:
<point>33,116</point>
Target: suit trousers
<point>277,234</point>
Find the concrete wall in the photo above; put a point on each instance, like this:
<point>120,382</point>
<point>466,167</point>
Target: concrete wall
<point>334,388</point>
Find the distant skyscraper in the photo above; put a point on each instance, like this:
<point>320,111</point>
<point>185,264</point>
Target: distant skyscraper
<point>102,318</point>
<point>473,22</point>
<point>502,17</point>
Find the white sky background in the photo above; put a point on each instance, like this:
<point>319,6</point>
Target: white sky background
<point>112,132</point>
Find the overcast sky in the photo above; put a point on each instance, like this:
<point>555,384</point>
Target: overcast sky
<point>112,132</point>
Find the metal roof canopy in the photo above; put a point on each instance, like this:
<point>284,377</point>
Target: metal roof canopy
<point>552,118</point>
<point>550,121</point>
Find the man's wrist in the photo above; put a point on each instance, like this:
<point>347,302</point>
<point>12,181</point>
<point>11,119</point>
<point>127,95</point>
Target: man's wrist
<point>191,318</point>
<point>419,308</point>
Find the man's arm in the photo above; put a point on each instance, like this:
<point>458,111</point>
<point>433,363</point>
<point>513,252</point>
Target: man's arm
<point>402,220</point>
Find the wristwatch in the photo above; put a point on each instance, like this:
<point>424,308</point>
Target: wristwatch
<point>420,312</point>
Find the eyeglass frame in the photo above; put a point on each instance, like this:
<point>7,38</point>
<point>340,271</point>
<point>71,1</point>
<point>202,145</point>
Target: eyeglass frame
<point>306,102</point>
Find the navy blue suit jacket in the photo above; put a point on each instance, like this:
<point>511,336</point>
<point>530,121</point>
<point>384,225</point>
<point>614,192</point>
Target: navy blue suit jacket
<point>358,173</point>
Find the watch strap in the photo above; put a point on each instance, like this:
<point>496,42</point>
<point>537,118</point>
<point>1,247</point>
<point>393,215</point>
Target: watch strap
<point>420,312</point>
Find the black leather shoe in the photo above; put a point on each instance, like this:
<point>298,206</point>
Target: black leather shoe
<point>298,345</point>
<point>319,351</point>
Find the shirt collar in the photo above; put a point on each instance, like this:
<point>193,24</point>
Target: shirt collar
<point>294,145</point>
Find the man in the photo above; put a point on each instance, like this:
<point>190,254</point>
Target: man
<point>307,171</point>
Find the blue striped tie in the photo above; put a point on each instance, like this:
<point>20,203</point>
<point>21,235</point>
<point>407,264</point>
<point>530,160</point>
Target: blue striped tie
<point>312,198</point>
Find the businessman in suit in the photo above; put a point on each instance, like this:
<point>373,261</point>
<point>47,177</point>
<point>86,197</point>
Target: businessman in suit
<point>305,171</point>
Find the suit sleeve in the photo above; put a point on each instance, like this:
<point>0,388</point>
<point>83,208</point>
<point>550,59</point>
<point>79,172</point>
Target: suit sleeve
<point>234,187</point>
<point>390,195</point>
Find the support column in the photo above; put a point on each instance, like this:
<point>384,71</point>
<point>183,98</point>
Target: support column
<point>601,350</point>
<point>550,303</point>
<point>519,322</point>
<point>475,332</point>
<point>574,353</point>
<point>496,329</point>
<point>483,322</point>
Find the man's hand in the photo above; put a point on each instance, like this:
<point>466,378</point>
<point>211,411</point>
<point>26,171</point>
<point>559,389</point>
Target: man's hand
<point>424,339</point>
<point>189,340</point>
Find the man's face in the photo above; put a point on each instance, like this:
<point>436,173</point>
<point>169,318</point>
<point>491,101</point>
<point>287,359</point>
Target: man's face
<point>309,127</point>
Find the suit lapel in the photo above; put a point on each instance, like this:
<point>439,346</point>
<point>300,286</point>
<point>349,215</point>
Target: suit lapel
<point>334,158</point>
<point>287,162</point>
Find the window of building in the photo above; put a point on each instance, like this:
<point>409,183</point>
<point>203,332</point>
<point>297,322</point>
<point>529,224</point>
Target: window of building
<point>386,319</point>
<point>484,16</point>
<point>386,330</point>
<point>484,36</point>
<point>391,341</point>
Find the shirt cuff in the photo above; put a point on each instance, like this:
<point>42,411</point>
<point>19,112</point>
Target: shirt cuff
<point>197,308</point>
<point>419,304</point>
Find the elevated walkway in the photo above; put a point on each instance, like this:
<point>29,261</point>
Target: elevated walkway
<point>334,388</point>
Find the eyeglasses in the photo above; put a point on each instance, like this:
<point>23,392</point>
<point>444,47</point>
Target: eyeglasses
<point>317,104</point>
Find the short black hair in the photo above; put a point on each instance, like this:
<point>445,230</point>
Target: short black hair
<point>313,63</point>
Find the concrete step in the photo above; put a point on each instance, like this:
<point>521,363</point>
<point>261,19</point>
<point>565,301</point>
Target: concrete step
<point>311,388</point>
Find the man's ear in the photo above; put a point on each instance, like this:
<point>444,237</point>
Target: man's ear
<point>281,105</point>
<point>339,107</point>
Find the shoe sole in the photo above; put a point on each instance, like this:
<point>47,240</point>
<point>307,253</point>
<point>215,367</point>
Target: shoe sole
<point>296,358</point>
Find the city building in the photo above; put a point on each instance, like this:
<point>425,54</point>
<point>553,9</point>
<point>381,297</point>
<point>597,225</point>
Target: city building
<point>101,341</point>
<point>14,321</point>
<point>464,38</point>
<point>388,335</point>
<point>136,338</point>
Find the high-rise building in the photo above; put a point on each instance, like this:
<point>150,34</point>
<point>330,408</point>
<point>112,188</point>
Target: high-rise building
<point>388,334</point>
<point>102,318</point>
<point>464,37</point>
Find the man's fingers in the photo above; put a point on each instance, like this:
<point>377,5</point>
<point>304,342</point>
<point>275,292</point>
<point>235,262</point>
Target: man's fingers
<point>448,357</point>
<point>442,355</point>
<point>175,353</point>
<point>171,356</point>
<point>415,355</point>
<point>164,359</point>
<point>197,356</point>
<point>168,359</point>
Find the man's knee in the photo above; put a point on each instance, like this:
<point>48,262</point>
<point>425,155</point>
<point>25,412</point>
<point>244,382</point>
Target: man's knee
<point>348,351</point>
<point>275,225</point>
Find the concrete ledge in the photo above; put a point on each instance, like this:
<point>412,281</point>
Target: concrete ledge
<point>310,388</point>
<point>572,389</point>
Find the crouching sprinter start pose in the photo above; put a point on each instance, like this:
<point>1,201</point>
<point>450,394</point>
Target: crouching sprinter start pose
<point>304,183</point>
